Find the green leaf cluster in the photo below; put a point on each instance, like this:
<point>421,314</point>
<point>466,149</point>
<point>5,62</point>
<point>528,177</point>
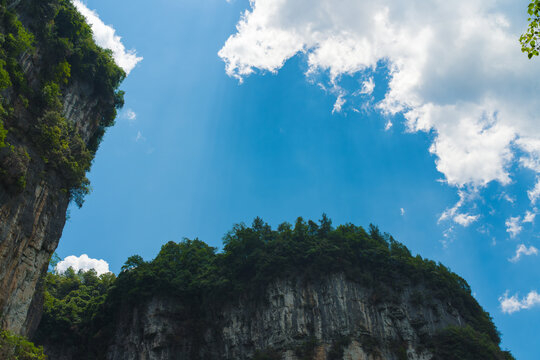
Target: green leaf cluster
<point>13,347</point>
<point>15,41</point>
<point>530,40</point>
<point>56,38</point>
<point>71,302</point>
<point>465,343</point>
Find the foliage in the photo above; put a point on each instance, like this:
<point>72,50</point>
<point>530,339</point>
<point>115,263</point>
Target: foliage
<point>58,35</point>
<point>13,347</point>
<point>203,279</point>
<point>530,40</point>
<point>53,261</point>
<point>71,301</point>
<point>3,133</point>
<point>65,150</point>
<point>14,162</point>
<point>465,343</point>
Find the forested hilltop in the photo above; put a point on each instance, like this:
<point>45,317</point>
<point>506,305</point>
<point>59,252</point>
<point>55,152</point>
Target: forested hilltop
<point>82,309</point>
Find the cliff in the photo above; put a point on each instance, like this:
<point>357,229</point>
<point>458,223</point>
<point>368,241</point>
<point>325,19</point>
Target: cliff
<point>52,116</point>
<point>308,292</point>
<point>330,318</point>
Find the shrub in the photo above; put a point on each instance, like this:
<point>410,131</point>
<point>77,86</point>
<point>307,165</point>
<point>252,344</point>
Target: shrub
<point>13,347</point>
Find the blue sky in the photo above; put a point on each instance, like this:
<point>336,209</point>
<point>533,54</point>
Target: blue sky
<point>443,153</point>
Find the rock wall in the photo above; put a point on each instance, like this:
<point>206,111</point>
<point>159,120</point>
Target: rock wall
<point>331,318</point>
<point>31,221</point>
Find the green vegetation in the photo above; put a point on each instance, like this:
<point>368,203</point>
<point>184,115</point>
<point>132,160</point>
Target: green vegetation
<point>59,38</point>
<point>72,301</point>
<point>251,259</point>
<point>465,343</point>
<point>13,347</point>
<point>530,40</point>
<point>14,42</point>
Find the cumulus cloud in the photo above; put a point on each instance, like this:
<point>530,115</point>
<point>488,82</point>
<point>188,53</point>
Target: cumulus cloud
<point>513,226</point>
<point>106,37</point>
<point>523,250</point>
<point>84,263</point>
<point>512,304</point>
<point>455,71</point>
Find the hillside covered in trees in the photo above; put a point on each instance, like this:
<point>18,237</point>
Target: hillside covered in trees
<point>80,309</point>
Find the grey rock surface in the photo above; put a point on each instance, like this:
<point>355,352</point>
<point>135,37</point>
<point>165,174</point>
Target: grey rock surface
<point>31,222</point>
<point>291,314</point>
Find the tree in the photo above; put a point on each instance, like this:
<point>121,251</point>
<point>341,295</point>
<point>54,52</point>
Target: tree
<point>530,40</point>
<point>132,262</point>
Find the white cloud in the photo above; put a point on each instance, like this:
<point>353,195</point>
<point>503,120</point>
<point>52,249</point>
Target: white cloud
<point>402,211</point>
<point>465,219</point>
<point>368,86</point>
<point>340,101</point>
<point>512,304</point>
<point>529,217</point>
<point>513,226</point>
<point>456,71</point>
<point>508,198</point>
<point>534,194</point>
<point>453,213</point>
<point>105,36</point>
<point>388,125</point>
<point>130,115</point>
<point>84,263</point>
<point>523,250</point>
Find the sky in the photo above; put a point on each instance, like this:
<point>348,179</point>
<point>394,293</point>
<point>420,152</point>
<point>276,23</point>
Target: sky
<point>419,117</point>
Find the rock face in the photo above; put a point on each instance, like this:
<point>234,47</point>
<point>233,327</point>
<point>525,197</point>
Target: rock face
<point>31,221</point>
<point>331,318</point>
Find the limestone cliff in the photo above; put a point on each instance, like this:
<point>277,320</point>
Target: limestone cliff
<point>35,188</point>
<point>308,292</point>
<point>329,318</point>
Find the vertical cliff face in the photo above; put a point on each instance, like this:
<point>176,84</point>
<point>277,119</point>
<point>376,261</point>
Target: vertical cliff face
<point>31,221</point>
<point>330,318</point>
<point>51,115</point>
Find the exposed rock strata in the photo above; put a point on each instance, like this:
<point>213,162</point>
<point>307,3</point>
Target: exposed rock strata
<point>290,315</point>
<point>31,222</point>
